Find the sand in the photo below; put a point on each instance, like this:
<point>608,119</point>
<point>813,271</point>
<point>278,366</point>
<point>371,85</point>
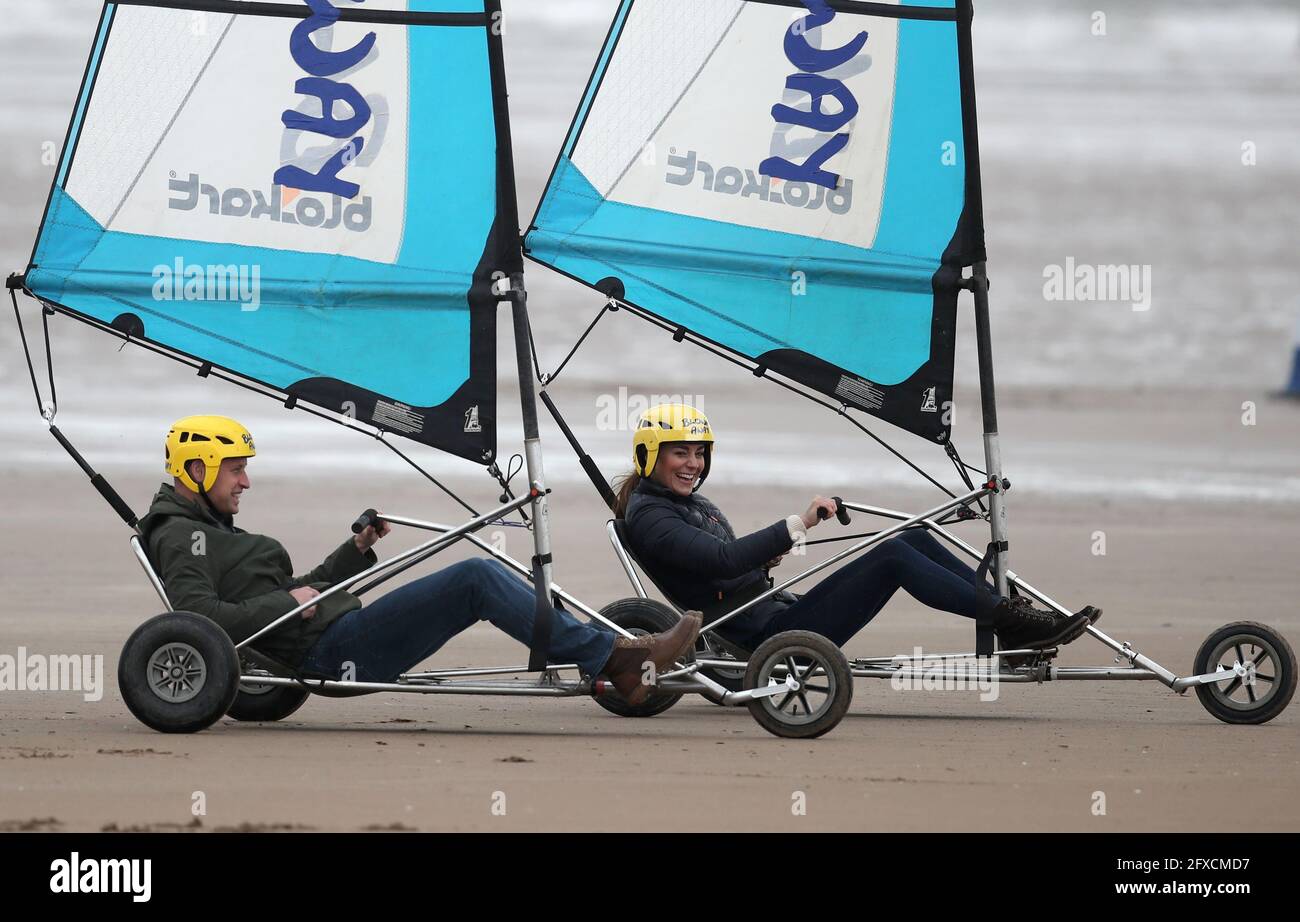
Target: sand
<point>1037,758</point>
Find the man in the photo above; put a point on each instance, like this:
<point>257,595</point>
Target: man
<point>244,582</point>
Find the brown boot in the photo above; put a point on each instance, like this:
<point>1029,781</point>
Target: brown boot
<point>626,664</point>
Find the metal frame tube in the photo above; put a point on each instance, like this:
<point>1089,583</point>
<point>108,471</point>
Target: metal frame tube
<point>860,546</point>
<point>510,689</point>
<point>429,548</point>
<point>979,286</point>
<point>518,567</point>
<point>628,567</point>
<point>532,434</point>
<point>492,670</point>
<point>1123,649</point>
<point>154,581</point>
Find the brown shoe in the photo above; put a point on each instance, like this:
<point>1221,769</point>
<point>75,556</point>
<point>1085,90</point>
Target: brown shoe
<point>627,661</point>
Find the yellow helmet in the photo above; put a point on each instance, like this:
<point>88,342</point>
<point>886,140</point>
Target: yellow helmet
<point>210,439</point>
<point>669,422</point>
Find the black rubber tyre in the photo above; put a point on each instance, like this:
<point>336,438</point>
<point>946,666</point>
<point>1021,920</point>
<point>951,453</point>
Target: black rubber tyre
<point>732,679</point>
<point>639,616</point>
<point>831,687</point>
<point>178,673</point>
<point>1270,656</point>
<point>265,703</point>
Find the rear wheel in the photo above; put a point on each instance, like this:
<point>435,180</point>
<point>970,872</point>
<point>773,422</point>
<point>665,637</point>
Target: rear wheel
<point>265,703</point>
<point>1270,678</point>
<point>732,678</point>
<point>639,616</point>
<point>825,685</point>
<point>178,672</point>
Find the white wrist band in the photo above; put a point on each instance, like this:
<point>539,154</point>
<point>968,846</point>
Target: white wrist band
<point>794,525</point>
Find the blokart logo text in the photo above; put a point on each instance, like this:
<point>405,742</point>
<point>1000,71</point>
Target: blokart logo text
<point>730,180</point>
<point>242,203</point>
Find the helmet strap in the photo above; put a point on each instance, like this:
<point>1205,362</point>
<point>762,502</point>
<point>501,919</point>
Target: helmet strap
<point>221,517</point>
<point>207,501</point>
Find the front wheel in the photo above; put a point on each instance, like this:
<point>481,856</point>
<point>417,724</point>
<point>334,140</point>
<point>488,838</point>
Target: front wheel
<point>640,617</point>
<point>178,672</point>
<point>1270,679</point>
<point>824,684</point>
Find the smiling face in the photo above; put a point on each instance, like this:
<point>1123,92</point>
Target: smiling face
<point>679,465</point>
<point>232,481</point>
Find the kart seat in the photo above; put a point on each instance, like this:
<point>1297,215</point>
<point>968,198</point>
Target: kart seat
<point>714,639</point>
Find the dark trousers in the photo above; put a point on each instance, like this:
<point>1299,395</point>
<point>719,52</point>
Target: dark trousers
<point>406,626</point>
<point>846,601</point>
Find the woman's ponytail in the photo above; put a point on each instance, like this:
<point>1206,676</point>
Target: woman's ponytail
<point>623,487</point>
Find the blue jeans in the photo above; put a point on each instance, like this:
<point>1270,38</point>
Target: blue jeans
<point>845,602</point>
<point>390,635</point>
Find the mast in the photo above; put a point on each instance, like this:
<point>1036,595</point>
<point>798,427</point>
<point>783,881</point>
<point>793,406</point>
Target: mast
<point>979,284</point>
<point>517,295</point>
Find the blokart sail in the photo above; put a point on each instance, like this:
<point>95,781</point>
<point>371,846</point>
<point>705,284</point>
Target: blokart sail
<point>312,197</point>
<point>314,201</point>
<point>796,181</point>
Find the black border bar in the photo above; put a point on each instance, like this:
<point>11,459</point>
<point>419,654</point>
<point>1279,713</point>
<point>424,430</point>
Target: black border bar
<point>887,10</point>
<point>302,11</point>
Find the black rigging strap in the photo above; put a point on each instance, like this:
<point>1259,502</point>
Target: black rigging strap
<point>543,620</point>
<point>544,378</point>
<point>985,602</point>
<point>104,488</point>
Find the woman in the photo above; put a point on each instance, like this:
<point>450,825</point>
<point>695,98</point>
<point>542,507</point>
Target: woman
<point>694,556</point>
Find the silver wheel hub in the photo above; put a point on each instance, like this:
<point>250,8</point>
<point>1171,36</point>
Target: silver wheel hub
<point>814,686</point>
<point>176,672</point>
<point>1257,665</point>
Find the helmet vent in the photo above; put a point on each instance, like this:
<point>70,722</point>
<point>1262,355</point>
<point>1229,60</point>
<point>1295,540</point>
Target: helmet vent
<point>195,437</point>
<point>224,441</point>
<point>185,437</point>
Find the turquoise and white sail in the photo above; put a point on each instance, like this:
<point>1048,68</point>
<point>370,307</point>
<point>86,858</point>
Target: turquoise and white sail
<point>794,180</point>
<point>313,195</point>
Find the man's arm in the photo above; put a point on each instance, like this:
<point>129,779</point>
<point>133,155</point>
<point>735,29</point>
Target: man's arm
<point>346,560</point>
<point>189,587</point>
<point>668,538</point>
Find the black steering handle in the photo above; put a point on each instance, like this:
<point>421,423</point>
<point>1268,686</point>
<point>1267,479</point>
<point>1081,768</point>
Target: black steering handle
<point>841,512</point>
<point>366,520</point>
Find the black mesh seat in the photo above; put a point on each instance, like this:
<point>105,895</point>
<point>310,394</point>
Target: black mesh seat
<point>715,640</point>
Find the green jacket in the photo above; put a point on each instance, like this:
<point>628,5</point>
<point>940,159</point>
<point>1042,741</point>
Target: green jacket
<point>242,581</point>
